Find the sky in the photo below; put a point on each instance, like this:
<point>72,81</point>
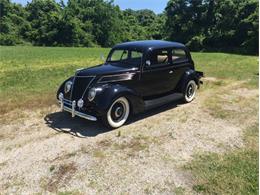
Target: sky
<point>156,5</point>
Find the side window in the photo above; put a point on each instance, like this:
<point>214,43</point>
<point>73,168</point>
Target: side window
<point>159,58</point>
<point>178,55</point>
<point>135,57</point>
<point>136,54</point>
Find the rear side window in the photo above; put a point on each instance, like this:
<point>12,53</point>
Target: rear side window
<point>159,57</point>
<point>178,55</point>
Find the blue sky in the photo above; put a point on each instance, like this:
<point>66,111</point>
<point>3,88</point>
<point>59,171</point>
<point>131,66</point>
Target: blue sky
<point>156,5</point>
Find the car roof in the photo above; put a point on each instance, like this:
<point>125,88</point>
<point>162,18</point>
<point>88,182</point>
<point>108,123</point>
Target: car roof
<point>149,45</point>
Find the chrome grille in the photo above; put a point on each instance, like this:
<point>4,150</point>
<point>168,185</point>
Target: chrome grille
<point>80,86</point>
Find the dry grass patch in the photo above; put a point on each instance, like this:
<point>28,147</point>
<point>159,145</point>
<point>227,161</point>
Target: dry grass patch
<point>27,101</point>
<point>133,145</point>
<point>251,135</point>
<point>98,154</point>
<point>105,143</point>
<point>232,102</point>
<point>60,176</point>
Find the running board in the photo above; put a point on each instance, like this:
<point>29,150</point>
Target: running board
<point>162,100</point>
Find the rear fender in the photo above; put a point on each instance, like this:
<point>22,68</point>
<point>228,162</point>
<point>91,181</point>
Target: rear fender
<point>190,74</point>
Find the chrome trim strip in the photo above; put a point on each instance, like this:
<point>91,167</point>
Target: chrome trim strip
<point>71,91</point>
<point>61,104</point>
<point>73,108</point>
<point>87,87</point>
<point>111,75</point>
<point>129,77</point>
<point>67,101</point>
<point>84,76</point>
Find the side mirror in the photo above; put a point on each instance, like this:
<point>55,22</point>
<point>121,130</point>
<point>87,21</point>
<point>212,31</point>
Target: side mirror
<point>148,63</point>
<point>102,57</point>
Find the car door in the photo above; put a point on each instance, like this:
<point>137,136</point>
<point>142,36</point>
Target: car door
<point>156,75</point>
<point>180,63</point>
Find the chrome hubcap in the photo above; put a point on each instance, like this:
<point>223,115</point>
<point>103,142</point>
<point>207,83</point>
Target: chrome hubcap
<point>118,111</point>
<point>190,90</point>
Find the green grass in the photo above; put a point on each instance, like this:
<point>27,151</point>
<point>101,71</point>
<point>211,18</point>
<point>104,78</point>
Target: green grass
<point>39,69</point>
<point>228,66</point>
<point>235,172</point>
<point>28,74</point>
<point>34,73</point>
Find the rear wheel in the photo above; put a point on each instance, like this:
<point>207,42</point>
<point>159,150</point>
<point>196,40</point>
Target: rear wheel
<point>118,113</point>
<point>190,91</point>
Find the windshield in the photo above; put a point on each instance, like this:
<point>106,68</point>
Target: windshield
<point>127,57</point>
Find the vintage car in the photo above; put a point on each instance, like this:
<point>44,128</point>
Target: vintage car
<point>133,76</point>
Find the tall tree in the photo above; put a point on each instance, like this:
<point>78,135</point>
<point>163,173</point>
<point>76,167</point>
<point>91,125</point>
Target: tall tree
<point>225,25</point>
<point>13,24</point>
<point>103,17</point>
<point>44,16</point>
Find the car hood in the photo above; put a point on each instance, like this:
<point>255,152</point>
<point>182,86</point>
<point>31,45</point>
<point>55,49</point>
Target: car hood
<point>104,69</point>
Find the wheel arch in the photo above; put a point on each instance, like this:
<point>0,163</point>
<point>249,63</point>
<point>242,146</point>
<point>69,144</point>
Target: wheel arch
<point>189,74</point>
<point>111,92</point>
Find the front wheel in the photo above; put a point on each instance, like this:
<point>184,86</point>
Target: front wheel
<point>118,113</point>
<point>190,91</point>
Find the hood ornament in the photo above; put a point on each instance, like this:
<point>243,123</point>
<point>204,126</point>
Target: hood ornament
<point>79,69</point>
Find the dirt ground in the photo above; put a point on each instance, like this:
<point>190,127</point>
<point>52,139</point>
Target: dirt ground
<point>46,151</point>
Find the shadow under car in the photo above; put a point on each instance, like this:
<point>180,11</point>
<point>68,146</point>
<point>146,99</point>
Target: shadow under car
<point>63,122</point>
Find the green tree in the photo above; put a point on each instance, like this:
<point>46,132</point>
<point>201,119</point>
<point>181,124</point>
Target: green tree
<point>206,24</point>
<point>13,23</point>
<point>44,17</point>
<point>201,24</point>
<point>100,18</point>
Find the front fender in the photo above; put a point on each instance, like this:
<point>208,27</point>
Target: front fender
<point>61,87</point>
<point>107,93</point>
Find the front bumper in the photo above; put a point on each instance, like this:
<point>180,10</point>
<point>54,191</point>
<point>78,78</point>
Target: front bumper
<point>73,111</point>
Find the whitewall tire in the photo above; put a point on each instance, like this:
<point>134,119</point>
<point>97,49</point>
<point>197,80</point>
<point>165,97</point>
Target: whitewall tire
<point>190,91</point>
<point>118,113</point>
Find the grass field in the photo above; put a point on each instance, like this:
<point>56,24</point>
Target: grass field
<point>34,73</point>
<point>27,73</point>
<point>30,76</point>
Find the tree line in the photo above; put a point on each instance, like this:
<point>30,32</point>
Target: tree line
<point>226,25</point>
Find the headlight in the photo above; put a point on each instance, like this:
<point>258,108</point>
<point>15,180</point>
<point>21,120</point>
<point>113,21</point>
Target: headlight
<point>80,103</point>
<point>67,86</point>
<point>91,94</point>
<point>60,96</point>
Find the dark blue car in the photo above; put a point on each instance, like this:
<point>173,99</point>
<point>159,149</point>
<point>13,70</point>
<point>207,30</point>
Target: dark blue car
<point>135,75</point>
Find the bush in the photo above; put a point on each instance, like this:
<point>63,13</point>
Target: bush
<point>9,39</point>
<point>196,43</point>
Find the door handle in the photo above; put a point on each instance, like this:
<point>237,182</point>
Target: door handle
<point>171,71</point>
